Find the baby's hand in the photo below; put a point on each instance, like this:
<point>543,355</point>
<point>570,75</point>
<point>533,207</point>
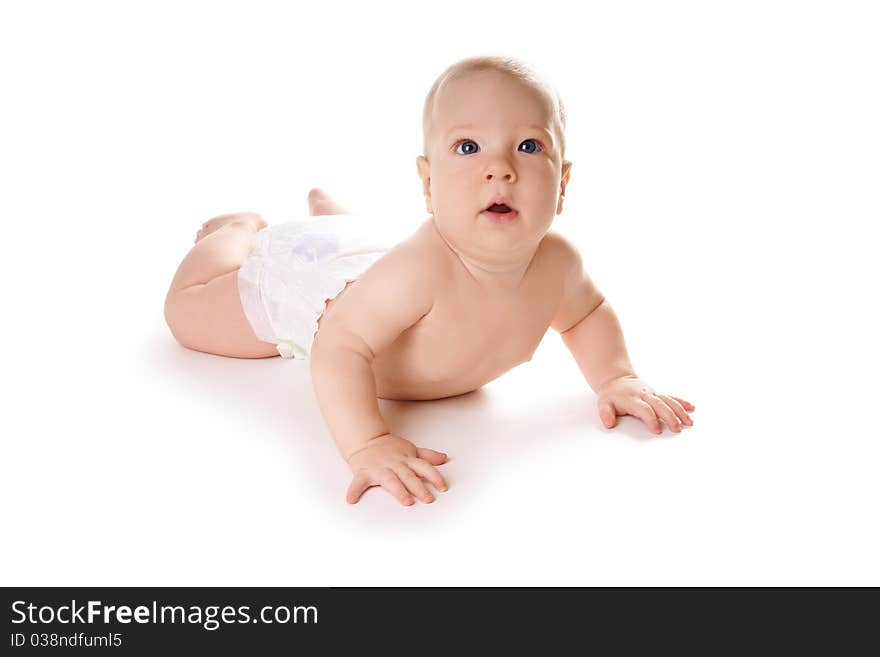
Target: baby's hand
<point>395,464</point>
<point>629,395</point>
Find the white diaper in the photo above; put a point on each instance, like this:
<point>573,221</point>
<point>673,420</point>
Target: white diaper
<point>295,266</point>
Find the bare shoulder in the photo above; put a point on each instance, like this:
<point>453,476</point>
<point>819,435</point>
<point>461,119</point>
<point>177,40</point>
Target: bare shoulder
<point>580,296</point>
<point>393,294</point>
<point>562,255</point>
<point>419,260</point>
<point>406,276</point>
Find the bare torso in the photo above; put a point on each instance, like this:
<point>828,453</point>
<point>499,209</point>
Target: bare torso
<point>471,336</point>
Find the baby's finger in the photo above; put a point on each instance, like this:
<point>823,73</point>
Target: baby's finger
<point>431,456</point>
<point>359,484</point>
<point>415,485</point>
<point>664,412</point>
<point>677,408</point>
<point>684,403</point>
<point>607,414</point>
<point>391,483</point>
<point>429,472</point>
<point>645,413</point>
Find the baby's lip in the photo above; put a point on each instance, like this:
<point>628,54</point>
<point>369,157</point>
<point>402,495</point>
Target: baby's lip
<point>500,200</point>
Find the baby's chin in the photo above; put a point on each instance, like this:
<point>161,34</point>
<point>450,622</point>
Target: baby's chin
<point>489,235</point>
<point>494,222</point>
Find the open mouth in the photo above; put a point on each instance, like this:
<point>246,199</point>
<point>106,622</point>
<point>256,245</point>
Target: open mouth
<point>501,209</point>
<point>500,213</point>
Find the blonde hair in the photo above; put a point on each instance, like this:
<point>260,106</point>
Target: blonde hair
<point>511,66</point>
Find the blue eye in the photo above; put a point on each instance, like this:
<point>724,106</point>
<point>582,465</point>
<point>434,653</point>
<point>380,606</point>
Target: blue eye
<point>465,141</point>
<point>537,145</point>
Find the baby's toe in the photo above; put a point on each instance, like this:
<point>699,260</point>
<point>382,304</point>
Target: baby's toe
<point>316,194</point>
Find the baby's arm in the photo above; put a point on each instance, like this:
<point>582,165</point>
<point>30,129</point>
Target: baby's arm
<point>390,297</point>
<point>591,331</point>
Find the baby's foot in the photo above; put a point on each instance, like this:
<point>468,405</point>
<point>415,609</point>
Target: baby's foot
<point>320,204</point>
<point>251,218</point>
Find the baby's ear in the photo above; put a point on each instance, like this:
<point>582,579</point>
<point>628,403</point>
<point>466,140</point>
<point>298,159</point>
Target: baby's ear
<point>424,168</point>
<point>566,174</point>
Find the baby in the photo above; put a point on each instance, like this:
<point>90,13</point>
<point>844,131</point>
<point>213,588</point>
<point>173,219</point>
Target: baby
<point>460,301</point>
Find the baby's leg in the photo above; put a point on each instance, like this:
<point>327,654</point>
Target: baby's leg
<point>321,204</point>
<point>203,308</point>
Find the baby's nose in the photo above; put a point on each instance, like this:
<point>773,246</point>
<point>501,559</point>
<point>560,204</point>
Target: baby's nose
<point>504,173</point>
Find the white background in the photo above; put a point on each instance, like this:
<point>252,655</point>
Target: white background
<point>724,195</point>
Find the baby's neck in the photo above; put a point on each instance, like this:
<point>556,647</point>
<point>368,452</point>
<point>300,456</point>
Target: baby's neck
<point>500,276</point>
<point>495,276</point>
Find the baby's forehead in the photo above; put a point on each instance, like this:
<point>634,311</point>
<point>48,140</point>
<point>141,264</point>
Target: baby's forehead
<point>460,106</point>
<point>485,119</point>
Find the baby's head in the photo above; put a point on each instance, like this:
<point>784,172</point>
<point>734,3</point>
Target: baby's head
<point>493,127</point>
